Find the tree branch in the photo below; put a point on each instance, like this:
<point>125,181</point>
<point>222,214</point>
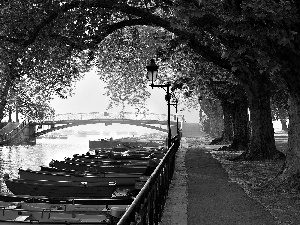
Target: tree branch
<point>116,26</point>
<point>147,19</point>
<point>92,41</point>
<point>109,4</point>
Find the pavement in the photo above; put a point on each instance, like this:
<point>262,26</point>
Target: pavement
<point>202,194</point>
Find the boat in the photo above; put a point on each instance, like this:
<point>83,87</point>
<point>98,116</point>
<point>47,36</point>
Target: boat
<point>63,206</point>
<point>27,222</point>
<point>52,216</point>
<point>97,168</point>
<point>11,198</point>
<point>43,210</point>
<point>98,154</point>
<point>107,162</point>
<point>103,143</point>
<point>118,178</point>
<point>143,157</point>
<point>63,188</point>
<point>120,153</point>
<point>17,216</point>
<point>90,209</point>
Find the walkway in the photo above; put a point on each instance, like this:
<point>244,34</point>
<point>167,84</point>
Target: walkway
<point>201,194</point>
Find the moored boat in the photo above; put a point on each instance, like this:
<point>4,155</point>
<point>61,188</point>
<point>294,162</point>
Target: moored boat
<point>97,211</point>
<point>98,144</point>
<point>62,188</point>
<point>98,168</point>
<point>11,198</point>
<point>44,215</point>
<point>109,162</point>
<point>79,208</point>
<point>118,178</point>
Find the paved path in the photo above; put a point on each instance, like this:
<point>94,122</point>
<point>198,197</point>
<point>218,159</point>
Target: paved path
<point>175,212</point>
<point>201,193</point>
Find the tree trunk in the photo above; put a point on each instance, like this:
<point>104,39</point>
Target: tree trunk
<point>291,169</point>
<point>284,126</point>
<point>17,114</point>
<point>7,77</point>
<point>201,119</point>
<point>9,116</point>
<point>213,125</point>
<point>241,122</point>
<point>262,142</point>
<point>206,126</point>
<point>5,86</point>
<point>216,127</point>
<point>227,136</point>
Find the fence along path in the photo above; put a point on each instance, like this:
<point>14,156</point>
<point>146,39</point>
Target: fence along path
<point>147,207</point>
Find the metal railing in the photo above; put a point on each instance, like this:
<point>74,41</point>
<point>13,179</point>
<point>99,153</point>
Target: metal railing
<point>112,115</point>
<point>147,207</point>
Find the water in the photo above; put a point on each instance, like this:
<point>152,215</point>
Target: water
<point>32,157</point>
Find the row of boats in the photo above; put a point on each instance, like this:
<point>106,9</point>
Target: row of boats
<point>92,188</point>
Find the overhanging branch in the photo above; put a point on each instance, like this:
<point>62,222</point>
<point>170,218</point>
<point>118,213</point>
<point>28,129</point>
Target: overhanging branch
<point>146,18</point>
<point>93,40</point>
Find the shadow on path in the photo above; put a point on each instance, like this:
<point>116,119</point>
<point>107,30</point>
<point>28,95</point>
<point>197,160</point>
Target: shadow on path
<point>213,199</point>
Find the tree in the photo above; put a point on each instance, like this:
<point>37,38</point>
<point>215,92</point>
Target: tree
<point>253,40</point>
<point>213,87</point>
<point>34,55</point>
<point>274,28</point>
<point>121,61</point>
<point>31,99</point>
<point>240,58</point>
<point>35,47</point>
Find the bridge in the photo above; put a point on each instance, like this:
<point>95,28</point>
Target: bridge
<point>28,130</point>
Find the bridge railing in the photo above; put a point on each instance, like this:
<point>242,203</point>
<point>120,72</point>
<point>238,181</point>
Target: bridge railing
<point>148,205</point>
<point>112,115</point>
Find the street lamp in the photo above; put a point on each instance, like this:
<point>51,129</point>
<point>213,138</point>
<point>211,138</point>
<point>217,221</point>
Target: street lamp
<point>175,104</point>
<point>152,72</point>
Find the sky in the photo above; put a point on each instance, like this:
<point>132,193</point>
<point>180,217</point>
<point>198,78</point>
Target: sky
<point>89,97</point>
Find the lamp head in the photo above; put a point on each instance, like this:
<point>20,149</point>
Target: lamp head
<point>152,71</point>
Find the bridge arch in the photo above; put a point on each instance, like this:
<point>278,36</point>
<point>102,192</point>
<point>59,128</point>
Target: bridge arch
<point>149,120</point>
<point>54,126</point>
<point>26,132</point>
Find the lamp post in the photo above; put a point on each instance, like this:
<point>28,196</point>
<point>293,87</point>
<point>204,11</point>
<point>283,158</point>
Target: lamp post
<point>175,104</point>
<point>152,72</point>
